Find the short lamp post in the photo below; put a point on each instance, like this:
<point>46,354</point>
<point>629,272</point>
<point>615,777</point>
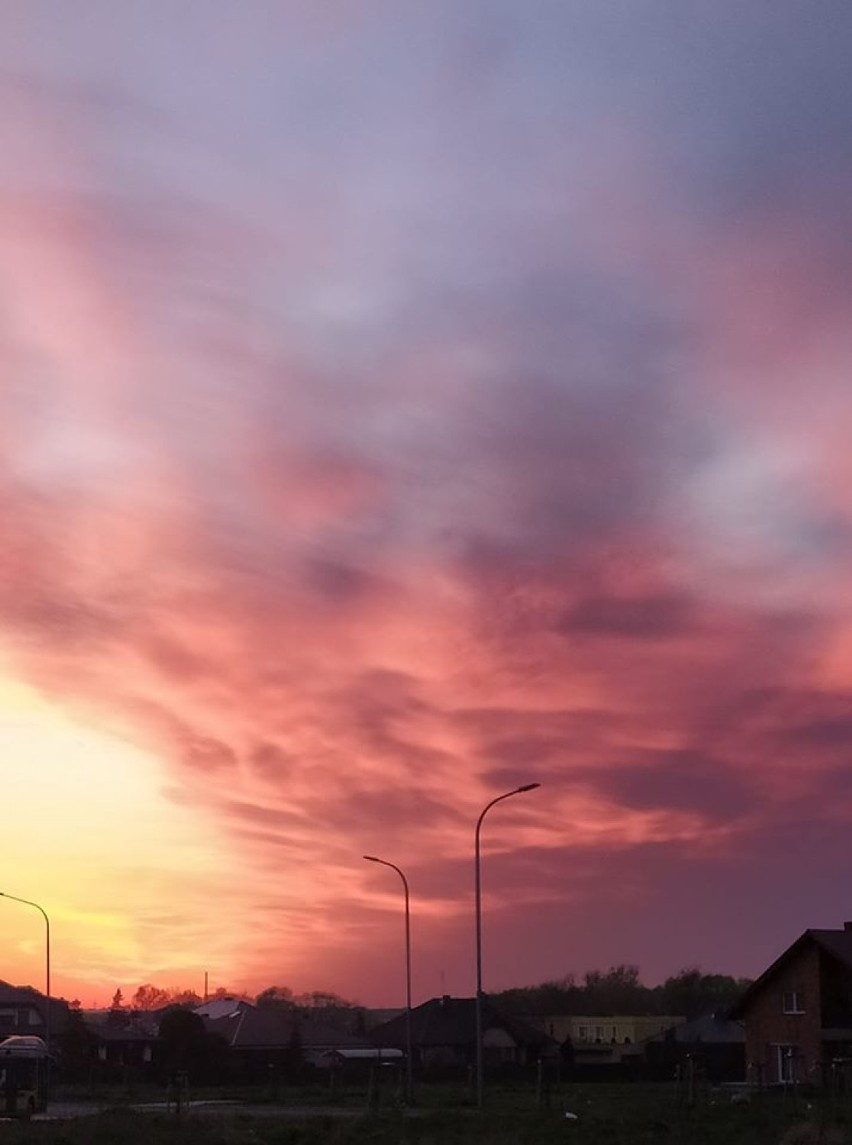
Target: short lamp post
<point>27,902</point>
<point>478,890</point>
<point>409,1082</point>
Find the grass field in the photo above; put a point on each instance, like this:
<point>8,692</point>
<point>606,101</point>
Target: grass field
<point>606,1115</point>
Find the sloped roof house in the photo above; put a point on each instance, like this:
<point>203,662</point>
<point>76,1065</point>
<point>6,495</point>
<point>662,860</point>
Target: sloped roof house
<point>798,1013</point>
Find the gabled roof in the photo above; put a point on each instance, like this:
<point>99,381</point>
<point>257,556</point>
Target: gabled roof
<point>121,1025</point>
<point>19,995</point>
<point>836,943</point>
<point>221,1007</point>
<point>270,1029</point>
<point>452,1022</point>
<point>709,1029</point>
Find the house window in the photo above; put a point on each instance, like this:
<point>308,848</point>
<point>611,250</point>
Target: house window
<point>793,1002</point>
<point>583,1033</point>
<point>787,1058</point>
<point>599,1033</point>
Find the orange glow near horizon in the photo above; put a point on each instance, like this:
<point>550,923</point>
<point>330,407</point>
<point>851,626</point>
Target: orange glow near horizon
<point>96,844</point>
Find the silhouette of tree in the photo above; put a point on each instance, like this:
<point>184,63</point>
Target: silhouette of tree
<point>76,1044</point>
<point>150,997</point>
<point>619,991</point>
<point>276,998</point>
<point>323,1000</point>
<point>184,1042</point>
<point>294,1059</point>
<point>691,993</point>
<point>185,998</point>
<point>224,992</point>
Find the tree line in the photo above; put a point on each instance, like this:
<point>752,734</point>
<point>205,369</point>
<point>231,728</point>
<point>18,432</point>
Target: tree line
<point>617,990</point>
<point>147,998</point>
<point>689,993</point>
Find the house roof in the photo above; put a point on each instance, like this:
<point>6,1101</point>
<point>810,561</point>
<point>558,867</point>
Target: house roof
<point>121,1025</point>
<point>221,1007</point>
<point>710,1029</point>
<point>450,1021</point>
<point>19,995</point>
<point>270,1029</point>
<point>836,943</point>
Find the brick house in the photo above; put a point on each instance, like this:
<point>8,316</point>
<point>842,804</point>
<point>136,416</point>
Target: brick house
<point>798,1013</point>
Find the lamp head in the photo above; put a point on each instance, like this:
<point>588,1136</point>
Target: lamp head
<point>371,858</point>
<point>528,787</point>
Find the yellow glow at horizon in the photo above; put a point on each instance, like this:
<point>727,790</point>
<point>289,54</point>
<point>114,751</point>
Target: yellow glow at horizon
<point>88,834</point>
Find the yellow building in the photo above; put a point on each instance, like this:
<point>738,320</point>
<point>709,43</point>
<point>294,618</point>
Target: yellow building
<point>607,1036</point>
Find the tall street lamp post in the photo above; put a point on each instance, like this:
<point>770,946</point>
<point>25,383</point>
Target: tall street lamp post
<point>27,902</point>
<point>409,1083</point>
<point>478,887</point>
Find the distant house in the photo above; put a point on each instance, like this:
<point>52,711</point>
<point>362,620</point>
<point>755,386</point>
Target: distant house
<point>798,1013</point>
<point>123,1042</point>
<point>263,1040</point>
<point>443,1034</point>
<point>604,1038</point>
<point>714,1042</point>
<point>23,1009</point>
<point>378,1017</point>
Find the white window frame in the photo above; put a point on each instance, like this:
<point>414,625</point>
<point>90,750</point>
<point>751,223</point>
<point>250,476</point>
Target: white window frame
<point>793,1002</point>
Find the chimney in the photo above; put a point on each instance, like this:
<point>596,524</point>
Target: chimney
<point>847,926</point>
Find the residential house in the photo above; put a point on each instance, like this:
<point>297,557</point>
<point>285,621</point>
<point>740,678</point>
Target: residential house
<point>798,1013</point>
<point>443,1034</point>
<point>124,1043</point>
<point>23,1009</point>
<point>714,1043</point>
<point>268,1041</point>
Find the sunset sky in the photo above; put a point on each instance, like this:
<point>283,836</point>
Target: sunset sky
<point>401,402</point>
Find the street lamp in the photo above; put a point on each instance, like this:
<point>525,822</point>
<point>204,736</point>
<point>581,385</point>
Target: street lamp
<point>27,902</point>
<point>409,1085</point>
<point>478,886</point>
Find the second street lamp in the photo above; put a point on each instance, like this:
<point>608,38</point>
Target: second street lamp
<point>478,890</point>
<point>409,1084</point>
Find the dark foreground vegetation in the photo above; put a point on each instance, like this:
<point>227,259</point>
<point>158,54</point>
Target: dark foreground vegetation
<point>606,1115</point>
